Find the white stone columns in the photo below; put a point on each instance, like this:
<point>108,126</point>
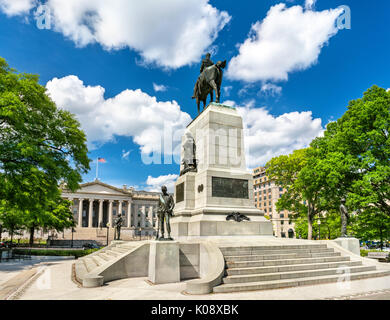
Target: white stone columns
<point>110,213</point>
<point>90,213</point>
<point>135,220</point>
<point>80,222</point>
<point>100,212</point>
<point>120,207</point>
<point>129,214</point>
<point>143,216</point>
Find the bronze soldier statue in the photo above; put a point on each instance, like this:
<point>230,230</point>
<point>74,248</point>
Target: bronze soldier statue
<point>164,212</point>
<point>118,225</point>
<point>344,218</point>
<point>206,62</point>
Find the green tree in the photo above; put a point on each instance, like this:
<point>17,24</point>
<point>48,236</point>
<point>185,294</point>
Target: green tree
<point>372,225</point>
<point>362,141</point>
<point>298,174</point>
<point>11,219</point>
<point>41,145</point>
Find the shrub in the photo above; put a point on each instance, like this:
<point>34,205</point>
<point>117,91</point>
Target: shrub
<point>56,252</point>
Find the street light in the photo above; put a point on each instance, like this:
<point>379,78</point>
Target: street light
<point>73,231</point>
<point>319,229</point>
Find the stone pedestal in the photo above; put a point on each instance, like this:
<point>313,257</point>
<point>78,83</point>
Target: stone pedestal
<point>164,263</point>
<point>350,244</point>
<point>222,184</point>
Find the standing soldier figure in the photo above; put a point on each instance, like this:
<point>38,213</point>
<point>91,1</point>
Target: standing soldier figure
<point>118,225</point>
<point>344,218</point>
<point>165,212</point>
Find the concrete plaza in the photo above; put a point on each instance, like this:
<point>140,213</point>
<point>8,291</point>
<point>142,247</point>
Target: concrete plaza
<point>53,281</point>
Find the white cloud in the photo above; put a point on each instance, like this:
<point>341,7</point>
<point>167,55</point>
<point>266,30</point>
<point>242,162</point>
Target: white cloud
<point>309,4</point>
<point>132,113</point>
<point>155,184</point>
<point>267,136</point>
<point>16,7</point>
<point>287,40</point>
<point>169,33</point>
<point>159,87</point>
<point>272,89</point>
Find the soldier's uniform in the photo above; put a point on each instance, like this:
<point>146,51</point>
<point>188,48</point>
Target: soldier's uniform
<point>206,62</point>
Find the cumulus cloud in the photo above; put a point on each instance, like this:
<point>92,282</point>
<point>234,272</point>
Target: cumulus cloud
<point>271,89</point>
<point>17,7</point>
<point>159,87</point>
<point>155,184</point>
<point>268,136</point>
<point>132,113</point>
<point>169,33</point>
<point>287,40</point>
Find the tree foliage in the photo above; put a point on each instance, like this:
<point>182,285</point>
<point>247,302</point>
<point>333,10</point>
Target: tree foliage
<point>351,160</point>
<point>41,146</point>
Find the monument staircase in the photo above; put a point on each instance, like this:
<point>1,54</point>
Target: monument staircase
<point>111,263</point>
<point>271,267</point>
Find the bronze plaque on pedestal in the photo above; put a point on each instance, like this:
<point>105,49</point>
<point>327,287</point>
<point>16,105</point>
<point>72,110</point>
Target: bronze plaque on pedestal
<point>180,192</point>
<point>229,188</point>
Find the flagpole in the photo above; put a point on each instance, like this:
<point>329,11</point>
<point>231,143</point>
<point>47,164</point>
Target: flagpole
<point>97,167</point>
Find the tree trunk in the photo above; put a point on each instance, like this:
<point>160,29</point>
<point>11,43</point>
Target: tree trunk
<point>12,237</point>
<point>309,223</point>
<point>1,232</point>
<point>32,230</point>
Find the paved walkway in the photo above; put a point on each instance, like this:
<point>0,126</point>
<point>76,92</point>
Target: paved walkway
<point>55,283</point>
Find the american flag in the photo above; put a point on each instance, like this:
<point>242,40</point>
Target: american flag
<point>102,160</point>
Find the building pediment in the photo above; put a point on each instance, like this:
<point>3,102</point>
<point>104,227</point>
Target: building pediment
<point>98,187</point>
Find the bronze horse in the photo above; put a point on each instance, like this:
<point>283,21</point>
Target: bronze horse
<point>210,80</point>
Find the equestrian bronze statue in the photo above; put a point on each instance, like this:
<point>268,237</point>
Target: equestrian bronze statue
<point>209,81</point>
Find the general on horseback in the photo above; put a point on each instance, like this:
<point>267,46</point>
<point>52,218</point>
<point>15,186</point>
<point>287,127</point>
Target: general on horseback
<point>209,81</point>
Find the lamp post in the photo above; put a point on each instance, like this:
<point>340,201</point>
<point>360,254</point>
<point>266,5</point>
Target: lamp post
<point>108,231</point>
<point>319,229</point>
<point>73,231</point>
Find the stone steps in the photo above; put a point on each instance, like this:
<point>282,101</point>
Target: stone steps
<point>288,268</point>
<point>286,283</point>
<point>271,267</point>
<point>104,256</point>
<point>269,252</point>
<point>280,256</point>
<point>112,253</point>
<point>293,274</point>
<point>272,247</point>
<point>90,264</point>
<point>99,261</point>
<point>278,262</point>
<point>119,249</point>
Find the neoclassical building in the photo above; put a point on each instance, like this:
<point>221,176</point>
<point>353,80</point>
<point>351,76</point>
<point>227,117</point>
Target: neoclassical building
<point>96,204</point>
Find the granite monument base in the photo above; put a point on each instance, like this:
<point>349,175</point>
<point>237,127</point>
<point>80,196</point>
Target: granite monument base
<point>350,244</point>
<point>164,263</point>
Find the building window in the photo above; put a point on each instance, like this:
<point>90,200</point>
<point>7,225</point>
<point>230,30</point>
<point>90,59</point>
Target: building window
<point>282,222</point>
<point>282,215</point>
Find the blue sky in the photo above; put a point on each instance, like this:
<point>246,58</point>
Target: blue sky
<point>296,71</point>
